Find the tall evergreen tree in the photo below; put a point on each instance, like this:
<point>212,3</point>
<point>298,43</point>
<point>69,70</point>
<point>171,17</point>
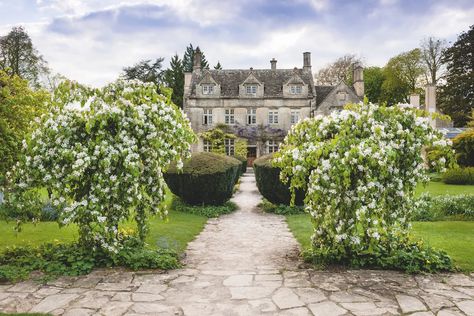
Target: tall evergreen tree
<point>19,57</point>
<point>146,70</point>
<point>174,79</point>
<point>188,59</point>
<point>457,95</point>
<point>218,66</point>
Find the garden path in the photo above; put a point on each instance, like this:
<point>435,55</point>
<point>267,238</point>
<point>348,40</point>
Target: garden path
<point>245,263</point>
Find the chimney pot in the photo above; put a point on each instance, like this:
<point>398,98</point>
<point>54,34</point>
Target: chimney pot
<point>273,63</point>
<point>307,61</point>
<point>197,59</point>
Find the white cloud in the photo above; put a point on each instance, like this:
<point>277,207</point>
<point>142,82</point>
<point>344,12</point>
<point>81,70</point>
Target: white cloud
<point>93,48</point>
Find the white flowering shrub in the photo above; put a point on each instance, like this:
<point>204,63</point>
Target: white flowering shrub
<point>360,168</point>
<point>102,153</point>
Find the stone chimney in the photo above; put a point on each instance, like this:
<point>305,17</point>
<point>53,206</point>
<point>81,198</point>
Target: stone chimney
<point>197,59</point>
<point>358,72</point>
<point>307,61</point>
<point>430,101</point>
<point>415,100</point>
<point>273,62</point>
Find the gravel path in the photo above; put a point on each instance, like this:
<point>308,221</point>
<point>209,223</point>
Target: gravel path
<point>245,263</point>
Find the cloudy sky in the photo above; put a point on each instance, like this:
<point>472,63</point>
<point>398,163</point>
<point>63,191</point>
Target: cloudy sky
<point>91,40</point>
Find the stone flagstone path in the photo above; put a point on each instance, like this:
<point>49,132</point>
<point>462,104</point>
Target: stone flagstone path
<point>245,263</point>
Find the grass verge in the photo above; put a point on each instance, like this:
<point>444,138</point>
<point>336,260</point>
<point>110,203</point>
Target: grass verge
<point>456,238</point>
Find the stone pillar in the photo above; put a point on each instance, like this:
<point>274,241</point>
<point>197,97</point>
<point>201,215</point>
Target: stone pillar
<point>273,63</point>
<point>430,101</point>
<point>415,100</point>
<point>358,72</point>
<point>307,61</point>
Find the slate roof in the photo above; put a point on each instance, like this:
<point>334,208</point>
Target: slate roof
<point>322,92</point>
<point>273,80</point>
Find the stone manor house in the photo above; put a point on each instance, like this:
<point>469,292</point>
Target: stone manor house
<point>260,105</point>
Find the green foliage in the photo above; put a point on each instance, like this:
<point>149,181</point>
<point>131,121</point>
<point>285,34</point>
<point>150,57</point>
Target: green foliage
<point>444,207</point>
<point>360,168</point>
<point>280,209</point>
<point>373,81</point>
<point>19,107</point>
<point>206,178</point>
<point>459,176</point>
<point>402,74</point>
<point>56,259</point>
<point>174,79</point>
<point>217,137</point>
<point>188,59</point>
<point>243,162</point>
<point>204,210</point>
<point>18,56</point>
<point>455,98</point>
<point>218,66</point>
<point>146,70</point>
<point>433,156</point>
<point>103,163</point>
<point>463,144</point>
<point>269,184</point>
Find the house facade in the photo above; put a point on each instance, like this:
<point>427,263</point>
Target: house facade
<point>260,105</point>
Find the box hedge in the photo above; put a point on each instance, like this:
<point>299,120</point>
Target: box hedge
<point>206,178</point>
<point>463,144</point>
<point>243,162</point>
<point>459,176</point>
<point>269,184</point>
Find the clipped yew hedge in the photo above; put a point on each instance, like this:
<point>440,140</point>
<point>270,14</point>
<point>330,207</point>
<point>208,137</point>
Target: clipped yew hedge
<point>269,184</point>
<point>206,178</point>
<point>243,162</point>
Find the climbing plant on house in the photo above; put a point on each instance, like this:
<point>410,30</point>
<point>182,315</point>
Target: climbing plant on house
<point>217,137</point>
<point>360,168</point>
<point>102,154</point>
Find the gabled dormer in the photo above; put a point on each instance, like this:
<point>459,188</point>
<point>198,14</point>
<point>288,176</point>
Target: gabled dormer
<point>295,87</point>
<point>337,98</point>
<point>251,87</point>
<point>207,87</point>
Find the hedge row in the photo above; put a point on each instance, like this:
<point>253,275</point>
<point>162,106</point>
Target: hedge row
<point>206,178</point>
<point>269,184</point>
<point>243,162</point>
<point>459,176</point>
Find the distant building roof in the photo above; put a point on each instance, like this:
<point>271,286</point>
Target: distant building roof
<point>273,80</point>
<point>451,132</point>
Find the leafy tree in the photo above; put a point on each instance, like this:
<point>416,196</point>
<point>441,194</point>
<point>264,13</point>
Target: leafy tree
<point>432,51</point>
<point>341,69</point>
<point>218,66</point>
<point>19,106</point>
<point>457,96</point>
<point>402,76</point>
<point>104,165</point>
<point>146,70</point>
<point>19,57</point>
<point>188,59</point>
<point>174,79</point>
<point>373,81</point>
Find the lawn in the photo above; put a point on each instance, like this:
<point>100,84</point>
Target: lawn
<point>456,238</point>
<point>179,229</point>
<point>440,188</point>
<point>175,233</point>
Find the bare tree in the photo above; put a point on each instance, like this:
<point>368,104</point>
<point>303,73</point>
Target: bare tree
<point>432,52</point>
<point>341,69</point>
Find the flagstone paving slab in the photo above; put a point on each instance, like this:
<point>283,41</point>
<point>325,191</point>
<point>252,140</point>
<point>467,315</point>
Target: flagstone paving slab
<point>245,263</point>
